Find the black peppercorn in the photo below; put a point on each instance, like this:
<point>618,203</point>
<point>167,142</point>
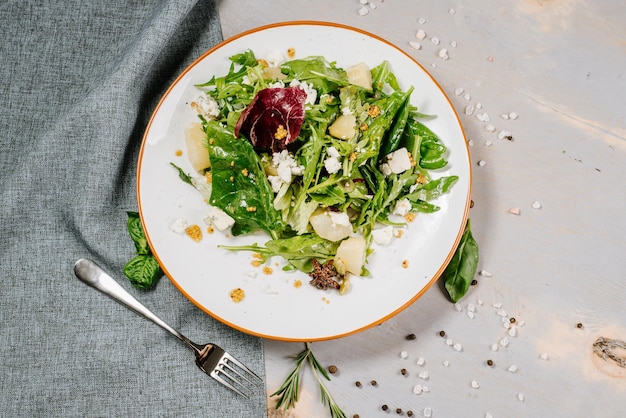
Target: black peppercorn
<point>411,337</point>
<point>385,407</point>
<point>332,369</point>
<point>358,384</point>
<point>442,333</point>
<point>489,362</point>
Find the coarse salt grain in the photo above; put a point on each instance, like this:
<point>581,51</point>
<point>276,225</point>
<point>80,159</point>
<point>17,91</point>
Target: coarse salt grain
<point>512,368</point>
<point>372,6</point>
<point>536,205</point>
<point>420,361</point>
<point>363,11</point>
<point>471,307</point>
<point>469,109</point>
<point>481,163</point>
<point>363,1</point>
<point>423,375</point>
<point>515,211</point>
<point>504,116</point>
<point>504,134</point>
<point>504,342</point>
<point>494,347</point>
<point>428,412</point>
<point>467,97</point>
<point>451,11</point>
<point>513,115</point>
<point>520,397</point>
<point>471,314</point>
<point>404,354</point>
<point>425,389</point>
<point>488,143</point>
<point>421,20</point>
<point>483,117</point>
<point>474,384</point>
<point>479,105</point>
<point>485,273</point>
<point>501,312</point>
<point>449,341</point>
<point>453,44</point>
<point>433,65</point>
<point>457,307</point>
<point>420,34</point>
<point>415,45</point>
<point>544,356</point>
<point>496,305</point>
<point>470,142</point>
<point>443,54</point>
<point>480,302</point>
<point>435,40</point>
<point>417,389</point>
<point>488,415</point>
<point>458,91</point>
<point>513,331</point>
<point>490,128</point>
<point>446,363</point>
<point>458,347</point>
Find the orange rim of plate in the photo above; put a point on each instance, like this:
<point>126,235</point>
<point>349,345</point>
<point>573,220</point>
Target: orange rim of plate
<point>364,327</point>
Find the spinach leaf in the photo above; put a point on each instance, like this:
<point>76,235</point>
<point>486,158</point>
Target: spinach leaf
<point>392,140</point>
<point>143,271</point>
<point>324,76</point>
<point>240,187</point>
<point>431,149</point>
<point>460,272</point>
<point>382,75</point>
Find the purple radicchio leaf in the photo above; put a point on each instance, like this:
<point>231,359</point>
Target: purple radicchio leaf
<point>274,117</point>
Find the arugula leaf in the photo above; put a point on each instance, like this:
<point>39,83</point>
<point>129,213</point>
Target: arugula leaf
<point>183,176</point>
<point>461,270</point>
<point>240,187</point>
<point>299,250</point>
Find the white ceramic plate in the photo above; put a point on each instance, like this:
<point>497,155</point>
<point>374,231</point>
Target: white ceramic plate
<point>274,307</point>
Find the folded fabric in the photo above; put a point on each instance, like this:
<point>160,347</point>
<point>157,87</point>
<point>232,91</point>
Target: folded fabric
<point>78,83</point>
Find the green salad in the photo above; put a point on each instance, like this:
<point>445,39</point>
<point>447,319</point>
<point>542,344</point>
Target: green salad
<point>325,160</point>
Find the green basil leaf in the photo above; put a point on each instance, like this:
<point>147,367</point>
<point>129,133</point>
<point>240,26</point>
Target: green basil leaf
<point>136,233</point>
<point>461,270</point>
<point>143,271</point>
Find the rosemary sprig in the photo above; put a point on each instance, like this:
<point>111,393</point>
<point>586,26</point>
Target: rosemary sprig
<point>290,389</point>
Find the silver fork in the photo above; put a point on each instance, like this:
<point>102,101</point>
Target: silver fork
<point>210,358</point>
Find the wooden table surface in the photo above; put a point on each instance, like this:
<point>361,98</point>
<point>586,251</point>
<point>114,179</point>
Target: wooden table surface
<point>558,268</point>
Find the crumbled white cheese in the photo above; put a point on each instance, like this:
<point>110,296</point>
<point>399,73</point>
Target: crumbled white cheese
<point>311,92</point>
<point>402,207</point>
<point>178,226</point>
<point>206,106</point>
<point>275,58</point>
<point>399,161</point>
<point>219,219</point>
<point>332,165</point>
<point>286,167</point>
<point>339,218</point>
<point>382,236</point>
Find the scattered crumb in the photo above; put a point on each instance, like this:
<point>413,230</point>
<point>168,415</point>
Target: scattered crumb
<point>237,295</point>
<point>178,152</point>
<point>194,232</point>
<point>297,284</point>
<point>405,264</point>
<point>267,270</point>
<point>515,211</point>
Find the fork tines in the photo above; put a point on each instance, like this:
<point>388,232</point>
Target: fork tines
<point>232,374</point>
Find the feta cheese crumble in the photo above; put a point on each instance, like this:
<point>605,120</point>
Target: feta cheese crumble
<point>218,218</point>
<point>206,106</point>
<point>286,167</point>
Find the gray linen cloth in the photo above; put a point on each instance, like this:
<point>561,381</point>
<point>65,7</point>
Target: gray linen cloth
<point>78,82</point>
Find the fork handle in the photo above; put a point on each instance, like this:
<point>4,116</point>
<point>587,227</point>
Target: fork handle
<point>93,275</point>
